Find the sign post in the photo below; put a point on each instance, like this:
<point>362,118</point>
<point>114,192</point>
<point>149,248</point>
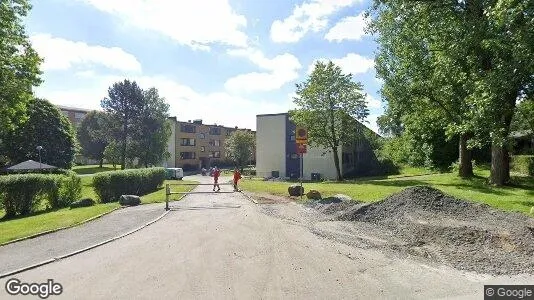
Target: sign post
<point>301,138</point>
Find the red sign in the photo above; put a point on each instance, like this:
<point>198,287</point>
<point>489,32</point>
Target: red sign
<point>301,148</point>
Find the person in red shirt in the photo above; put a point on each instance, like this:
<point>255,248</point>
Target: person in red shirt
<point>237,176</point>
<point>216,174</point>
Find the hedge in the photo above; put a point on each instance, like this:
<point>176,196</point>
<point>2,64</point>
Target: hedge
<point>24,193</point>
<point>109,186</point>
<point>523,164</point>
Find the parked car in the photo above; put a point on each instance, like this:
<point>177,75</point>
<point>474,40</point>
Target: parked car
<point>174,173</point>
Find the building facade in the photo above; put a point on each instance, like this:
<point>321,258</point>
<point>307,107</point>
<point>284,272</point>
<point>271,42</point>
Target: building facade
<point>276,152</point>
<point>194,145</point>
<point>74,114</point>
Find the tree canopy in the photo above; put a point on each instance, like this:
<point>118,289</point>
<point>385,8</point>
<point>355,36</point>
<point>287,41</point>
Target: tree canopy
<point>19,64</point>
<point>240,147</point>
<point>92,135</point>
<point>47,127</point>
<point>328,105</point>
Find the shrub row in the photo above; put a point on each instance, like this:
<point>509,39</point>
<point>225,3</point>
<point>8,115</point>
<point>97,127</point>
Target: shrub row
<point>24,193</point>
<point>523,164</point>
<point>109,186</point>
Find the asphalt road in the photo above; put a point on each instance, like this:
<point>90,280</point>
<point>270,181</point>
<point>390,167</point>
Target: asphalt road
<point>222,246</point>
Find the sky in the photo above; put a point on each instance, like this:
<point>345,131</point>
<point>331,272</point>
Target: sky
<point>222,61</point>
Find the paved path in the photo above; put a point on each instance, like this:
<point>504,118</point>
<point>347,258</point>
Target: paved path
<point>222,246</point>
<point>28,252</point>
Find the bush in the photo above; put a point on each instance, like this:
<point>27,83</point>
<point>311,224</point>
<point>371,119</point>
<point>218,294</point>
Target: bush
<point>109,186</point>
<point>523,164</point>
<point>70,190</point>
<point>23,194</point>
<point>82,203</point>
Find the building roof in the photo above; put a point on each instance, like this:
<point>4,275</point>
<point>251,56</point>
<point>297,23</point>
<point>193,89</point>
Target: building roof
<point>208,125</point>
<point>70,108</point>
<point>30,165</point>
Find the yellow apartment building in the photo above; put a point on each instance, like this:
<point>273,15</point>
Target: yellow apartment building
<point>194,145</point>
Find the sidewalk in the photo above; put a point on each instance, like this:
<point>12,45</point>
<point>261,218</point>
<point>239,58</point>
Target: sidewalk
<point>28,252</point>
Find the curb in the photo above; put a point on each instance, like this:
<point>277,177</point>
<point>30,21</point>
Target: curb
<point>81,250</point>
<point>61,228</point>
<point>249,197</point>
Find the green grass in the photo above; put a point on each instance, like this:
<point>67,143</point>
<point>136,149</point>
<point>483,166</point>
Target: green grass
<point>93,169</point>
<point>44,221</point>
<point>41,221</point>
<point>519,197</point>
<point>159,195</point>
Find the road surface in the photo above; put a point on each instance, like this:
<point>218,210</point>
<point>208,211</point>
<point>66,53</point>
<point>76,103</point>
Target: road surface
<point>223,246</point>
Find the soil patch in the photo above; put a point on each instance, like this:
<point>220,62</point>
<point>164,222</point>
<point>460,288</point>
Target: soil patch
<point>462,234</point>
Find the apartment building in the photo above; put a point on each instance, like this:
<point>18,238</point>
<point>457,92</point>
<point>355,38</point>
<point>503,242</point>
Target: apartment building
<point>194,145</point>
<point>74,114</point>
<point>276,152</point>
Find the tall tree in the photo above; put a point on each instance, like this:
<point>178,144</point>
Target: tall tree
<point>92,135</point>
<point>471,58</point>
<point>19,64</point>
<point>46,126</point>
<point>152,129</point>
<point>240,147</point>
<point>524,116</point>
<point>124,103</point>
<point>328,104</point>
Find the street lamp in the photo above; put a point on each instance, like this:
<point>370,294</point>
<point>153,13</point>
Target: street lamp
<point>39,148</point>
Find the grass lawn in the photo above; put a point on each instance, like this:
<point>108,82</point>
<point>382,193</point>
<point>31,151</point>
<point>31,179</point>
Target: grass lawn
<point>48,220</point>
<point>519,197</point>
<point>44,221</point>
<point>92,169</point>
<point>159,195</point>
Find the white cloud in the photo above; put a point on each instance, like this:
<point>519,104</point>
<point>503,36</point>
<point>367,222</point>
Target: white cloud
<point>352,63</point>
<point>62,54</point>
<point>279,70</point>
<point>349,28</point>
<point>185,103</point>
<point>372,102</point>
<point>194,23</point>
<point>309,16</point>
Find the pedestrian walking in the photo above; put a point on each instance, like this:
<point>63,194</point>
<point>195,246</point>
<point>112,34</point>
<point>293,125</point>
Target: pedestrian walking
<point>237,176</point>
<point>216,173</point>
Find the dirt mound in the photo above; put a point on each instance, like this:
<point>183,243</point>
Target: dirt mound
<point>465,235</point>
<point>333,205</point>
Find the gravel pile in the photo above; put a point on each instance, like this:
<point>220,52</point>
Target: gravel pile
<point>438,227</point>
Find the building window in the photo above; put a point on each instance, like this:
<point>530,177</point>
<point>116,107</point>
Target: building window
<point>292,137</point>
<point>202,149</point>
<point>215,131</point>
<point>188,142</point>
<point>294,156</point>
<point>216,143</point>
<point>187,155</point>
<point>66,113</point>
<point>216,154</point>
<point>201,136</point>
<point>188,128</point>
<point>79,116</point>
<point>229,132</point>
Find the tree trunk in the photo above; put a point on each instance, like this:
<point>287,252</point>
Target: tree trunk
<point>466,166</point>
<point>336,163</point>
<point>101,162</point>
<point>124,147</point>
<point>500,165</point>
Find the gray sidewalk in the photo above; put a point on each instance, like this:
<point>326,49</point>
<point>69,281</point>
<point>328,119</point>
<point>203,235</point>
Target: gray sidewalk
<point>32,251</point>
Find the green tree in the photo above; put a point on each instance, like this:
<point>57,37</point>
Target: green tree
<point>524,116</point>
<point>472,59</point>
<point>152,129</point>
<point>46,126</point>
<point>19,65</point>
<point>92,135</point>
<point>112,153</point>
<point>124,103</point>
<point>328,105</point>
<point>240,147</point>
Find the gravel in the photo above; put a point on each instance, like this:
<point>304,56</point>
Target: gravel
<point>437,227</point>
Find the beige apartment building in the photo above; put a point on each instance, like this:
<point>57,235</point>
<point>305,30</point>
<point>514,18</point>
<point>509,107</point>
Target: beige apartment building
<point>194,145</point>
